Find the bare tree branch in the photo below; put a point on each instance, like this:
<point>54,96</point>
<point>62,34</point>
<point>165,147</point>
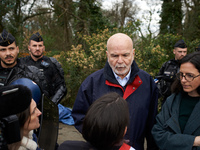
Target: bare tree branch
<point>34,15</point>
<point>70,13</point>
<point>31,7</point>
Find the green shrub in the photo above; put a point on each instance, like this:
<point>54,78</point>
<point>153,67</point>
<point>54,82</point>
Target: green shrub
<point>150,54</point>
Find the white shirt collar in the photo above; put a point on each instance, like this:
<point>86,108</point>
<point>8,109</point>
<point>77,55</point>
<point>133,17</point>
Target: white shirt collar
<point>123,81</point>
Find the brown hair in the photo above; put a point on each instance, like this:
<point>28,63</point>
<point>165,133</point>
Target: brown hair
<point>22,118</point>
<point>193,58</point>
<point>105,122</point>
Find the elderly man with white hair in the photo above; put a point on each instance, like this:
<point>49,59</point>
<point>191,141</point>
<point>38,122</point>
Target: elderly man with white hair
<point>122,75</point>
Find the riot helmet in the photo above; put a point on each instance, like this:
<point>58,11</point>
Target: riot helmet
<point>35,89</point>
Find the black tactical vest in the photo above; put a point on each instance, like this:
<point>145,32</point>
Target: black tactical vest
<point>169,75</point>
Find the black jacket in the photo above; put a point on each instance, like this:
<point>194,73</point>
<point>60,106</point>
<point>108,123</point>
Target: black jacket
<point>169,70</point>
<point>54,75</point>
<point>8,75</point>
<point>166,76</point>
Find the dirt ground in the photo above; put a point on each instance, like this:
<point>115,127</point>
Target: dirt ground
<point>67,132</point>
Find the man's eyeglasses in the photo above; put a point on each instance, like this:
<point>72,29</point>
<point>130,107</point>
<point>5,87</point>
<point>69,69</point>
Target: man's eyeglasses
<point>188,76</point>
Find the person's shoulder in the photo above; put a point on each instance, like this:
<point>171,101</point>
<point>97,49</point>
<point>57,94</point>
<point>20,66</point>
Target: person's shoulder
<point>26,58</point>
<point>29,68</point>
<point>96,74</point>
<point>171,99</point>
<point>75,145</point>
<point>24,66</point>
<point>165,63</point>
<point>146,78</point>
<point>20,64</point>
<point>124,147</point>
<point>52,59</point>
<point>171,61</point>
<point>33,68</point>
<point>143,73</point>
<point>93,77</point>
<point>171,96</point>
<point>45,58</point>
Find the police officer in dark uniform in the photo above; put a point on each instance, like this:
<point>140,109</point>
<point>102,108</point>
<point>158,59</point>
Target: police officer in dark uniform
<point>11,68</point>
<point>169,69</point>
<point>49,66</point>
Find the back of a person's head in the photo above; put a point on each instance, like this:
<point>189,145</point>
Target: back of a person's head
<point>105,121</point>
<point>193,58</point>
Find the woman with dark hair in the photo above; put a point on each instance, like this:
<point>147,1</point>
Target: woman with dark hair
<point>178,123</point>
<point>104,125</point>
<point>28,121</point>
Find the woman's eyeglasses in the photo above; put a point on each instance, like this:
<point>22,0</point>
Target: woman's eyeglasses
<point>188,76</point>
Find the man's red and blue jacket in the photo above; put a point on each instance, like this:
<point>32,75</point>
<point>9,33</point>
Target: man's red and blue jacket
<point>140,92</point>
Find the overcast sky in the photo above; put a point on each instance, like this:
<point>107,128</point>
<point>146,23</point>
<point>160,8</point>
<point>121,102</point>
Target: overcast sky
<point>154,5</point>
